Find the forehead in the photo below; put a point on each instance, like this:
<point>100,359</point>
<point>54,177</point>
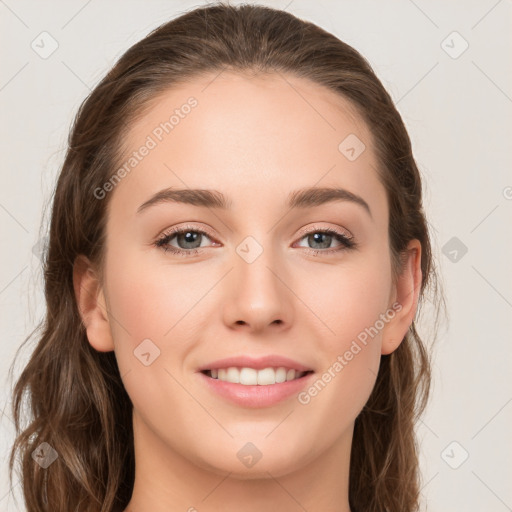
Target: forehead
<point>245,134</point>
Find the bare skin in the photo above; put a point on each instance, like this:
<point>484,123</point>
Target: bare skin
<point>256,140</point>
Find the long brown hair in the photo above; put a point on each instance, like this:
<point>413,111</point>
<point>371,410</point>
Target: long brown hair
<point>77,402</point>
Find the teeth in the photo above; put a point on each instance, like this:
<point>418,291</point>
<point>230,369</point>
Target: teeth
<point>252,377</point>
<point>281,374</point>
<point>247,376</point>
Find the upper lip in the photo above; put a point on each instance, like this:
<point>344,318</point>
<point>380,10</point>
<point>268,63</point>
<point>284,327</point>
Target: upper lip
<point>258,363</point>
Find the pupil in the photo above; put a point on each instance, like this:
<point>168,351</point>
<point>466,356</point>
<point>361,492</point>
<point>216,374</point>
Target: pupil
<point>190,237</point>
<point>316,238</point>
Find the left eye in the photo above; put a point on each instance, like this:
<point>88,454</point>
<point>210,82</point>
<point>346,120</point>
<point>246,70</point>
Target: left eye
<point>324,238</point>
<point>188,237</point>
<point>190,241</point>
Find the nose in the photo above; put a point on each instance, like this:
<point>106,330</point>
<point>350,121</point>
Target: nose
<point>257,295</point>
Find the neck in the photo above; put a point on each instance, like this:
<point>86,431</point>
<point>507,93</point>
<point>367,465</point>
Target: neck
<point>165,481</point>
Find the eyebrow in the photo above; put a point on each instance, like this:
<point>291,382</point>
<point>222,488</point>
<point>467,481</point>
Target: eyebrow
<point>303,198</point>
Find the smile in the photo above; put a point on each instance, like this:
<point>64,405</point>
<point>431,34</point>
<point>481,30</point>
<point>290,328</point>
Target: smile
<point>252,377</point>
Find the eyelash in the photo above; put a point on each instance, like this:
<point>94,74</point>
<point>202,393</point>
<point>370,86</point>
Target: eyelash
<point>163,241</point>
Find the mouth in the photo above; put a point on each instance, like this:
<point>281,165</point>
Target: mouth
<point>255,381</point>
<point>255,377</point>
<point>255,388</point>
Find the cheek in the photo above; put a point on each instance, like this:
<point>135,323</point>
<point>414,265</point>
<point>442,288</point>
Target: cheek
<point>351,310</point>
<point>348,300</point>
<point>139,307</point>
<point>148,300</point>
<point>156,301</point>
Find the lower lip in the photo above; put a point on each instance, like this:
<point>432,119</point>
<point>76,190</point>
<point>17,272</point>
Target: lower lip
<point>256,396</point>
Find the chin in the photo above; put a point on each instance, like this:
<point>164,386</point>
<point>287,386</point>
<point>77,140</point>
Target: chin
<point>240,466</point>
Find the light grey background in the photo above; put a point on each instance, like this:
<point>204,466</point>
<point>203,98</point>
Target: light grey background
<point>458,113</point>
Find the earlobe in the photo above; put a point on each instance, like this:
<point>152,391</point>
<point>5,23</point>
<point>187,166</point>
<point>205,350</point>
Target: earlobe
<point>92,305</point>
<point>407,294</point>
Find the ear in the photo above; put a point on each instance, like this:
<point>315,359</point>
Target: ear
<point>92,305</point>
<point>405,297</point>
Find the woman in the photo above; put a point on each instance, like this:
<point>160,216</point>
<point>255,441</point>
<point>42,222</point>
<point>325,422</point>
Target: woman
<point>237,254</point>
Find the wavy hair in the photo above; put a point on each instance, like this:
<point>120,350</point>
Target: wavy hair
<point>75,396</point>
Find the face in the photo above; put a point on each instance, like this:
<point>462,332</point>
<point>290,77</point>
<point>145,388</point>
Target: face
<point>276,272</point>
